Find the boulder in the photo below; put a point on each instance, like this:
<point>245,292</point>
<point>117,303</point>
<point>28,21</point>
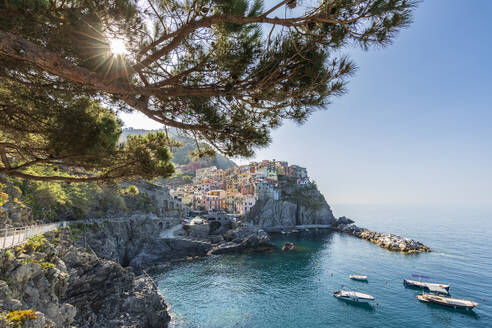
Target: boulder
<point>255,240</point>
<point>344,221</point>
<point>288,246</point>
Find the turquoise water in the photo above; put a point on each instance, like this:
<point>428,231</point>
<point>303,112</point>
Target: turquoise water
<point>295,289</point>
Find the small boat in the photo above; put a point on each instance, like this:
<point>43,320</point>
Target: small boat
<point>358,277</point>
<point>426,285</point>
<point>353,296</point>
<point>447,301</point>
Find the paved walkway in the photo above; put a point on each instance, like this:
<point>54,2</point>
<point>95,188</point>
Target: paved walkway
<point>198,241</point>
<point>169,233</point>
<point>18,236</point>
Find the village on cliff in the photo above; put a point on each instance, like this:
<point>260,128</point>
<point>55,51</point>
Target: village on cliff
<point>235,190</point>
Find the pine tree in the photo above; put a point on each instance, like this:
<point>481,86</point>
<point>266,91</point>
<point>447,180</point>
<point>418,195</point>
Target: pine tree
<point>225,72</point>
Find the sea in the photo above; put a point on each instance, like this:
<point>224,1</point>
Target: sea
<point>295,289</point>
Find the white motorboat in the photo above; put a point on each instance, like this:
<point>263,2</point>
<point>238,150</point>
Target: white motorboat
<point>353,296</point>
<point>358,277</point>
<point>426,285</point>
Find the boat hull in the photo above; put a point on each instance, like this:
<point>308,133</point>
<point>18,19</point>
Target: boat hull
<point>358,278</point>
<point>353,297</point>
<point>425,299</point>
<point>360,300</point>
<point>423,285</point>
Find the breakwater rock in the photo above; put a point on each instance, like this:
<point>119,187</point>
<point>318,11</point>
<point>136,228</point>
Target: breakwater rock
<point>385,240</point>
<point>49,282</point>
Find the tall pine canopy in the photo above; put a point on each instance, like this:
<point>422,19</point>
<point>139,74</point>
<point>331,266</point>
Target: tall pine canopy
<point>224,72</point>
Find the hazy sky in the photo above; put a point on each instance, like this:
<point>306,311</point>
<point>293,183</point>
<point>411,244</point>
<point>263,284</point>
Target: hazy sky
<point>416,124</point>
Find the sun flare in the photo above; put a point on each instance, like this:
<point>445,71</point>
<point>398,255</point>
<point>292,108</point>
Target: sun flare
<point>117,47</point>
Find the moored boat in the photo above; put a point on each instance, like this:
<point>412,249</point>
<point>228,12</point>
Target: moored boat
<point>426,285</point>
<point>358,277</point>
<point>456,303</point>
<point>353,296</point>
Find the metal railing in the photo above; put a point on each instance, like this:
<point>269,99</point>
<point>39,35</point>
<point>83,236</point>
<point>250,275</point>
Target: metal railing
<point>17,236</point>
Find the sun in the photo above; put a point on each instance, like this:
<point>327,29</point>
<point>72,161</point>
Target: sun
<point>117,47</point>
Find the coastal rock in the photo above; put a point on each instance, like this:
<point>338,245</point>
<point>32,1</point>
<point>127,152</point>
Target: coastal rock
<point>216,239</point>
<point>72,287</point>
<point>15,214</point>
<point>288,246</point>
<point>137,242</point>
<point>252,241</point>
<point>297,205</point>
<point>344,221</point>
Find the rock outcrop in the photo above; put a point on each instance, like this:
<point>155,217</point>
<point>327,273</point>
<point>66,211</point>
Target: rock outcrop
<point>143,242</point>
<point>136,242</point>
<point>297,205</point>
<point>385,240</point>
<point>14,213</point>
<point>67,286</point>
<point>244,239</point>
<point>288,246</point>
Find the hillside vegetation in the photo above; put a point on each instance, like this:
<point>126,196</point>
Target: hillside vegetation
<point>54,201</point>
<point>181,155</point>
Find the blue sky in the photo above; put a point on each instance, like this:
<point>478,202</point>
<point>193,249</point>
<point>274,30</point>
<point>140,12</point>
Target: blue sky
<point>416,124</point>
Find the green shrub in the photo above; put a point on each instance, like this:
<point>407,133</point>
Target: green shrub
<point>32,244</point>
<point>46,265</point>
<point>9,255</point>
<point>3,198</point>
<point>131,190</point>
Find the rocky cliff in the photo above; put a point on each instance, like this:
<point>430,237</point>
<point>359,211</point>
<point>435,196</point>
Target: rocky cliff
<point>13,213</point>
<point>49,282</point>
<point>135,242</point>
<point>297,205</point>
<point>143,242</point>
